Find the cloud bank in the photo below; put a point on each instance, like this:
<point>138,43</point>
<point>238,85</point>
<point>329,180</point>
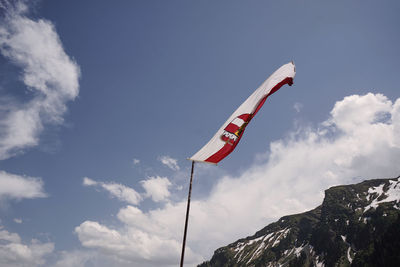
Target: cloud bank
<point>19,187</point>
<point>50,76</point>
<point>359,140</point>
<point>170,162</point>
<point>13,252</point>
<point>119,191</point>
<point>157,188</point>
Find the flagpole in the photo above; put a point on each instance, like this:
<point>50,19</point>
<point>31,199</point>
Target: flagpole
<point>187,216</point>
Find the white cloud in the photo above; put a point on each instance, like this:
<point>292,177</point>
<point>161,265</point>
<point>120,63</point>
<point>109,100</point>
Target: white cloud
<point>170,162</point>
<point>47,72</point>
<point>360,140</point>
<point>86,257</point>
<point>131,245</point>
<point>136,161</point>
<point>123,192</point>
<point>18,220</point>
<point>88,182</point>
<point>356,112</point>
<point>298,106</point>
<point>157,188</point>
<point>9,237</point>
<point>13,252</point>
<point>72,259</point>
<point>119,191</point>
<point>14,186</point>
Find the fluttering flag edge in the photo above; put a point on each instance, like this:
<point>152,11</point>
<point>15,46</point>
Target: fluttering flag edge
<point>221,148</point>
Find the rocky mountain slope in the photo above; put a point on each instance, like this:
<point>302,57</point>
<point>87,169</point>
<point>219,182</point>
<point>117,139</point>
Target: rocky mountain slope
<point>356,225</point>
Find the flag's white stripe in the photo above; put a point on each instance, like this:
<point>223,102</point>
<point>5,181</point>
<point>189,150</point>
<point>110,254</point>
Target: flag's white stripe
<point>238,122</point>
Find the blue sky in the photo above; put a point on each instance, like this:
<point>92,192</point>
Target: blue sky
<point>101,104</point>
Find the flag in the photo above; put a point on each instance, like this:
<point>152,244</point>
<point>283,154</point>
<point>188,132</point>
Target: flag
<point>229,135</point>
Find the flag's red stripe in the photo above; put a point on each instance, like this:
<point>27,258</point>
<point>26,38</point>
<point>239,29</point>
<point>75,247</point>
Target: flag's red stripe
<point>227,148</point>
<point>222,153</point>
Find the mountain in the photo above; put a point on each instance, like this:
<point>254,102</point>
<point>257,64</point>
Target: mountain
<point>356,225</point>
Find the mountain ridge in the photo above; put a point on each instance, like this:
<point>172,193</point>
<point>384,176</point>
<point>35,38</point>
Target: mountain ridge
<point>356,225</point>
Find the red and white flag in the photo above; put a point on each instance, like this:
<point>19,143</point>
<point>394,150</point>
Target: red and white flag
<point>229,135</point>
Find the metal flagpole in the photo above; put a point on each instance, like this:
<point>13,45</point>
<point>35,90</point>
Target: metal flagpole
<point>187,215</point>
